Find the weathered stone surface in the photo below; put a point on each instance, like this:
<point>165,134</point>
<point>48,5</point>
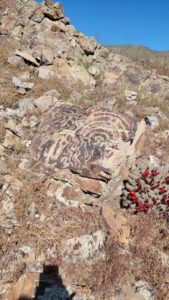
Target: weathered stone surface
<point>94,70</point>
<point>137,291</point>
<point>67,194</point>
<point>37,16</point>
<point>23,85</point>
<point>27,56</point>
<point>89,45</point>
<point>46,72</point>
<point>15,60</point>
<point>76,189</point>
<point>25,106</point>
<point>83,248</point>
<point>89,185</point>
<point>79,73</point>
<point>152,121</point>
<point>44,102</point>
<point>25,287</point>
<point>54,11</point>
<point>47,56</point>
<point>131,96</point>
<point>11,140</point>
<point>117,223</point>
<point>95,133</point>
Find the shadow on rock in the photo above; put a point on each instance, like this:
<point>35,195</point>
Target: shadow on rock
<point>50,286</point>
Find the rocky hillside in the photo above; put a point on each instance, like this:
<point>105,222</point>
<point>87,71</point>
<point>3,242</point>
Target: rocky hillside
<point>84,164</point>
<point>158,60</point>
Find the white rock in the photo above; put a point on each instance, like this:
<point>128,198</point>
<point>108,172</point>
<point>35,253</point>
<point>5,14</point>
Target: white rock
<point>152,121</point>
<point>154,161</point>
<point>23,164</point>
<point>94,70</point>
<point>25,249</point>
<point>25,106</point>
<point>131,96</point>
<point>165,133</point>
<point>28,143</point>
<point>15,60</point>
<point>84,248</point>
<point>73,43</point>
<point>33,121</point>
<point>21,91</point>
<point>23,85</point>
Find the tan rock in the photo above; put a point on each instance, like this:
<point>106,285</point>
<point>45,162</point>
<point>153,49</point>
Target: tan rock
<point>60,62</point>
<point>14,183</point>
<point>49,3</point>
<point>79,73</point>
<point>46,72</point>
<point>117,223</point>
<point>57,5</point>
<point>44,102</point>
<point>54,12</point>
<point>47,56</point>
<point>90,185</point>
<point>37,16</point>
<point>66,193</point>
<point>17,32</point>
<point>25,287</point>
<point>27,56</point>
<point>2,150</point>
<point>11,124</point>
<point>89,45</point>
<point>11,140</point>
<point>65,20</point>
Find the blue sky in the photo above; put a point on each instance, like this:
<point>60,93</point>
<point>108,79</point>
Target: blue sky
<point>138,22</point>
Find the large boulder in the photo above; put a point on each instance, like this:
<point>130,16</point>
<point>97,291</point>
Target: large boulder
<point>92,142</point>
<point>89,45</point>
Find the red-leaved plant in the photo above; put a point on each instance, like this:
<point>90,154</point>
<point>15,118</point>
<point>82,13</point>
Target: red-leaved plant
<point>146,189</point>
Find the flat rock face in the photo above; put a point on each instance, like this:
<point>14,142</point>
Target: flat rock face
<point>84,248</point>
<point>84,140</point>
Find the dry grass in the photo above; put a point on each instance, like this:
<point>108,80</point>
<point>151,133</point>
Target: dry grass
<point>8,93</point>
<point>149,237</point>
<point>42,86</point>
<point>146,57</point>
<point>2,131</point>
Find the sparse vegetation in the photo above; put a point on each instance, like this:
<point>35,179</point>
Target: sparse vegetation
<point>158,60</point>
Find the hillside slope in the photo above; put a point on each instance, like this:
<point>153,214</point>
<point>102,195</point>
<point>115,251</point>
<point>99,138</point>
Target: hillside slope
<point>158,60</point>
<point>84,164</point>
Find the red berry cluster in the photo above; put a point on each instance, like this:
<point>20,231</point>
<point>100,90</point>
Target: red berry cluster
<point>146,183</point>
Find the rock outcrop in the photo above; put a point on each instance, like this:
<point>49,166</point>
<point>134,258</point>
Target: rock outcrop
<point>89,141</point>
<point>74,119</point>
